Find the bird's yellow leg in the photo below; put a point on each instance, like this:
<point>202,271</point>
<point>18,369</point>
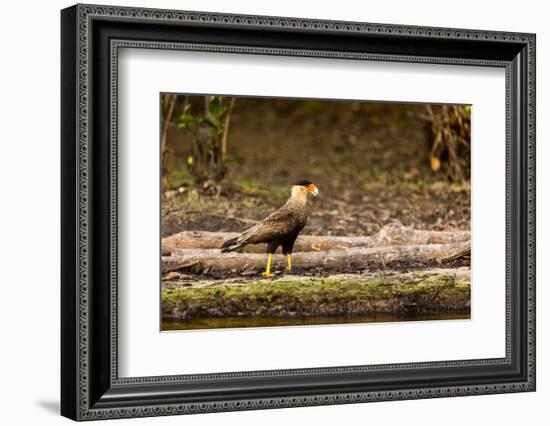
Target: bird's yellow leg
<point>267,272</point>
<point>289,261</point>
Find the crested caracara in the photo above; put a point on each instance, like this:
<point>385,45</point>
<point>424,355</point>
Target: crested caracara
<point>280,228</point>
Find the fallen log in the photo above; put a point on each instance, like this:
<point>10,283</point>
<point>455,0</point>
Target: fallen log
<point>317,298</point>
<point>392,234</point>
<point>212,260</point>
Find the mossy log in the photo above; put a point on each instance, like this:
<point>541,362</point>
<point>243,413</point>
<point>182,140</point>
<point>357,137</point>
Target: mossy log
<point>392,234</point>
<point>319,297</point>
<point>212,260</point>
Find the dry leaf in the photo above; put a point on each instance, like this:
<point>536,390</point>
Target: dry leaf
<point>435,163</point>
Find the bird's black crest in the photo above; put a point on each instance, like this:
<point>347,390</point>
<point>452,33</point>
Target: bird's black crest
<point>302,182</point>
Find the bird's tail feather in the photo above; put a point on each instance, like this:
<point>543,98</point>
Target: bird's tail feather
<point>230,245</point>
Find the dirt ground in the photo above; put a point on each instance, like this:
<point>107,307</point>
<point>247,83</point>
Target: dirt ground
<point>370,162</point>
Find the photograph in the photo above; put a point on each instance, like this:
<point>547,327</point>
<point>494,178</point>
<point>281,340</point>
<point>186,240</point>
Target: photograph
<point>276,210</point>
<point>291,212</point>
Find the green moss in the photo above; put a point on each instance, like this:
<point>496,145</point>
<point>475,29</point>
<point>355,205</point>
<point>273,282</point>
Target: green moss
<point>175,176</point>
<point>256,188</point>
<point>318,296</point>
<point>382,182</point>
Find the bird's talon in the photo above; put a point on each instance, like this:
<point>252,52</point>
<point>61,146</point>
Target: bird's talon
<point>267,274</point>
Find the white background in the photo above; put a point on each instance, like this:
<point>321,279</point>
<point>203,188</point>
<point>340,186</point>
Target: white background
<point>140,343</point>
<point>29,225</point>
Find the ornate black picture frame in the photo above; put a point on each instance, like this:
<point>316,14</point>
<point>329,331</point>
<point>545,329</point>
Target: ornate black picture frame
<point>91,37</point>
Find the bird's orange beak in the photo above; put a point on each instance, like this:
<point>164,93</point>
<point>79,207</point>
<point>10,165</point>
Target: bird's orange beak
<point>313,189</point>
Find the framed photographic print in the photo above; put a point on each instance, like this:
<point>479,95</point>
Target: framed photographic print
<point>263,212</point>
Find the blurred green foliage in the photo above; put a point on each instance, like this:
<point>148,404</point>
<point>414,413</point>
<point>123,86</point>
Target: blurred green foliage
<point>209,131</point>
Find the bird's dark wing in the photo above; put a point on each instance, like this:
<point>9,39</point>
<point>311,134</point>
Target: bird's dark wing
<point>277,225</point>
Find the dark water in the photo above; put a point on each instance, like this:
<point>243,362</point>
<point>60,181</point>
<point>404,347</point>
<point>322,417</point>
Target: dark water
<point>242,322</point>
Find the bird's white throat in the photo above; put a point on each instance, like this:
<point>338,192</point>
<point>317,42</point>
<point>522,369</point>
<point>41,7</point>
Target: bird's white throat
<point>298,195</point>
